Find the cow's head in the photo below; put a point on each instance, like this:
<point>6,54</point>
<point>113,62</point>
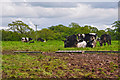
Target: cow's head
<point>66,43</point>
<point>24,39</point>
<point>100,41</point>
<point>80,37</point>
<point>91,43</point>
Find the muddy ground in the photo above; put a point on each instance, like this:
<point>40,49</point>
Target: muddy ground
<point>100,64</point>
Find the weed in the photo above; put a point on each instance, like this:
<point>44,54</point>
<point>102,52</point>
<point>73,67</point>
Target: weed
<point>88,74</point>
<point>116,66</point>
<point>102,72</point>
<point>99,69</point>
<point>112,71</point>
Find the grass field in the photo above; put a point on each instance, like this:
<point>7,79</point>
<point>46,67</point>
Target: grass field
<point>50,46</point>
<point>60,66</point>
<point>29,66</point>
<point>57,65</point>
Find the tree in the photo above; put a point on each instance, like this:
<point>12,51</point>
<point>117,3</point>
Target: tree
<point>116,25</point>
<point>111,32</point>
<point>100,32</point>
<point>20,27</point>
<point>93,29</point>
<point>10,36</point>
<point>61,30</point>
<point>74,25</point>
<point>46,34</point>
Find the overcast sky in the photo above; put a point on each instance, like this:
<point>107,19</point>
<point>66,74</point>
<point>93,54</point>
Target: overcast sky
<point>46,14</point>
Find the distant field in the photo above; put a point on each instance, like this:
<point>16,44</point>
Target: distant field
<point>50,46</point>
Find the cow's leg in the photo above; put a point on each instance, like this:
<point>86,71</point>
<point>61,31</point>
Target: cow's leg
<point>100,41</point>
<point>101,44</point>
<point>110,42</point>
<point>104,43</point>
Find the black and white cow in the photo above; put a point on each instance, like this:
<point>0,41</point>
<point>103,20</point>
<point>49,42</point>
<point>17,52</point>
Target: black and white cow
<point>90,39</point>
<point>40,39</point>
<point>87,37</point>
<point>71,41</point>
<point>105,38</point>
<point>84,40</point>
<point>26,39</point>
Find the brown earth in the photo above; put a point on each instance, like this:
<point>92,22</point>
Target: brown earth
<point>100,65</point>
<point>95,63</point>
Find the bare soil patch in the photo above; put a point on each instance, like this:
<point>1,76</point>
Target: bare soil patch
<point>98,65</point>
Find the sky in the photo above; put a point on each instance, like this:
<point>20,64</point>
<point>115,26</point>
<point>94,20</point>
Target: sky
<point>46,14</point>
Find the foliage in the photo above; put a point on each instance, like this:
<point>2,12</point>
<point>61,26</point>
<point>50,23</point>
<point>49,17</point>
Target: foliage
<point>57,32</point>
<point>116,25</point>
<point>20,27</point>
<point>10,36</point>
<point>47,34</point>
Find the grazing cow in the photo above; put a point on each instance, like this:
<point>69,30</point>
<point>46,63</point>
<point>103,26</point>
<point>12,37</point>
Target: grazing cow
<point>90,39</point>
<point>105,38</point>
<point>40,39</point>
<point>71,41</point>
<point>26,39</point>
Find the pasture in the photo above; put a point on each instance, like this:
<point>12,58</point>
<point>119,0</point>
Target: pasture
<point>51,46</point>
<point>57,65</point>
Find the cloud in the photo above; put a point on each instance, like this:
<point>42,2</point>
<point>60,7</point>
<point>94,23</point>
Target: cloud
<point>62,0</point>
<point>81,13</point>
<point>86,11</point>
<point>81,10</point>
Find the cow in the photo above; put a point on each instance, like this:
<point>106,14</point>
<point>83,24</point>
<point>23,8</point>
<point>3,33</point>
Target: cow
<point>86,37</point>
<point>91,43</point>
<point>71,41</point>
<point>26,39</point>
<point>105,38</point>
<point>90,39</point>
<point>81,44</point>
<point>40,39</point>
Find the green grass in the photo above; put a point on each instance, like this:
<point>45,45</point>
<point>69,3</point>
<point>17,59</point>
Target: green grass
<point>38,65</point>
<point>51,46</point>
<point>29,66</point>
<point>37,46</point>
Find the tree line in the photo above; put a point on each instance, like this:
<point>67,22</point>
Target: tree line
<point>18,29</point>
